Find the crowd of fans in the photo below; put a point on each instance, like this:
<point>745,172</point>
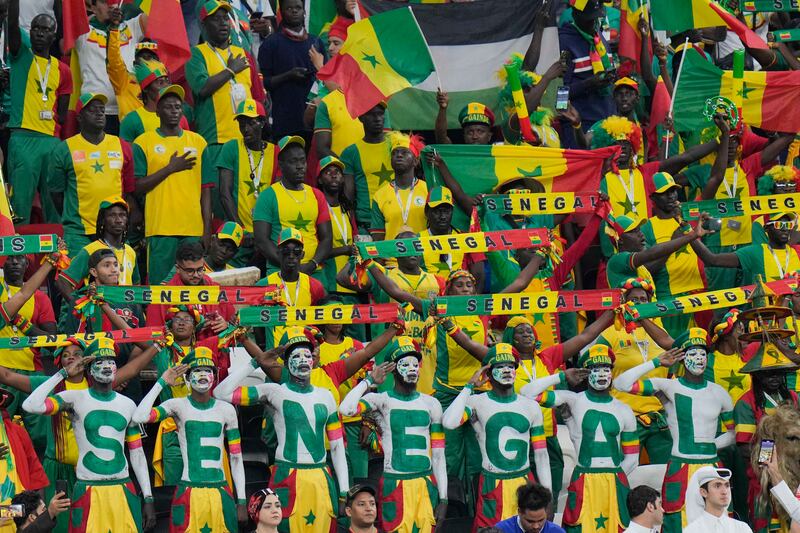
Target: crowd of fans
<point>243,164</point>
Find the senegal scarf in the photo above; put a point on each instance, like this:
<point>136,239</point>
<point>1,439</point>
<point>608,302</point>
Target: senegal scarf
<point>598,54</point>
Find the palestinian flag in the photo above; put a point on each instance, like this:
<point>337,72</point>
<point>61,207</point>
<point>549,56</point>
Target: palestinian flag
<point>630,38</point>
<point>469,43</point>
<point>382,55</point>
<point>483,168</point>
<point>681,15</point>
<point>165,26</point>
<point>769,99</point>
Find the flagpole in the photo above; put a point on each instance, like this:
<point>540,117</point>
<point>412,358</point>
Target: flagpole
<point>425,40</point>
<point>675,92</point>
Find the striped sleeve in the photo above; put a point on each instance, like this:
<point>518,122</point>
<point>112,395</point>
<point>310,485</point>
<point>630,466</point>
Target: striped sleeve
<point>727,420</point>
<point>245,396</point>
<point>643,387</point>
<point>53,404</point>
<point>466,415</point>
<point>157,414</point>
<point>630,442</point>
<point>744,421</point>
<point>538,441</point>
<point>133,437</point>
<point>234,440</point>
<point>547,399</point>
<point>437,436</point>
<point>334,427</point>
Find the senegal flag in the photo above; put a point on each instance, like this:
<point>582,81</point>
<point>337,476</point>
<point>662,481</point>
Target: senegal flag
<point>382,55</point>
<point>165,26</point>
<point>483,168</point>
<point>630,38</point>
<point>769,99</point>
<point>681,15</point>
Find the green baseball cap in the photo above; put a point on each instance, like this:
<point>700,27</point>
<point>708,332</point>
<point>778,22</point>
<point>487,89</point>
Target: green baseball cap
<point>114,200</point>
<point>149,71</point>
<point>476,113</point>
<point>294,335</point>
<point>691,337</point>
<point>329,160</point>
<point>290,140</point>
<point>212,6</point>
<point>663,181</point>
<point>177,90</point>
<point>101,347</point>
<point>289,234</point>
<point>628,223</point>
<point>250,108</point>
<point>403,346</point>
<point>439,196</point>
<point>200,357</point>
<point>599,354</point>
<point>86,98</point>
<point>231,231</point>
<point>501,353</point>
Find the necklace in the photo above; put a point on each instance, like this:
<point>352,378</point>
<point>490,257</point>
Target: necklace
<point>298,202</point>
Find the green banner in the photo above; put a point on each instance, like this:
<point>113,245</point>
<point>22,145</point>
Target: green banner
<point>277,315</point>
<point>28,244</point>
<point>786,36</point>
<point>187,295</point>
<point>528,302</point>
<point>476,242</point>
<point>770,5</point>
<point>119,336</point>
<point>725,208</point>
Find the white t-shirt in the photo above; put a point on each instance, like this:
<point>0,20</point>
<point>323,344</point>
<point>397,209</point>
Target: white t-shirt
<point>28,9</point>
<point>708,523</point>
<point>91,48</point>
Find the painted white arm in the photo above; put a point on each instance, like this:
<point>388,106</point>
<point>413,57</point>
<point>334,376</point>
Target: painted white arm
<point>142,413</point>
<point>439,466</point>
<point>625,382</point>
<point>533,389</point>
<point>542,461</point>
<point>349,405</point>
<point>139,466</point>
<point>788,501</point>
<point>339,460</point>
<point>227,386</point>
<point>35,403</point>
<point>451,418</point>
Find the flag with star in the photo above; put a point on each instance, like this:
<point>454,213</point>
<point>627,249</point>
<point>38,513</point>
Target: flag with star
<point>680,15</point>
<point>382,55</point>
<point>484,168</point>
<point>630,38</point>
<point>768,98</point>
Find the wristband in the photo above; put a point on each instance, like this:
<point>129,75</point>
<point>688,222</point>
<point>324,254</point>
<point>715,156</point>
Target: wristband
<point>161,382</point>
<point>576,126</point>
<point>469,387</point>
<point>148,499</point>
<point>241,501</point>
<point>443,500</point>
<point>342,494</point>
<point>254,364</point>
<point>369,380</point>
<point>64,373</point>
<point>233,74</point>
<point>656,362</point>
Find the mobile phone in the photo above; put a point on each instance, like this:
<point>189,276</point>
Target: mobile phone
<point>562,98</point>
<point>766,451</point>
<point>16,510</point>
<point>564,57</point>
<point>712,224</point>
<point>61,486</point>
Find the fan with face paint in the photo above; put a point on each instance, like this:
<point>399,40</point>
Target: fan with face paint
<point>694,343</point>
<point>503,360</point>
<point>103,369</point>
<point>598,360</point>
<point>406,356</point>
<point>200,377</point>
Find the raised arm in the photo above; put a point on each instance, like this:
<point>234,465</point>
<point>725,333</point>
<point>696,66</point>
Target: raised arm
<point>15,303</point>
<point>14,34</point>
<point>720,163</point>
<point>463,200</point>
<point>629,381</point>
<point>438,463</point>
<point>234,439</point>
<point>338,456</point>
<point>358,359</point>
<point>459,413</point>
<point>396,293</point>
<point>574,345</point>
<point>676,163</point>
<point>351,405</point>
<point>533,389</point>
<point>775,148</point>
<point>440,125</point>
<point>229,390</point>
<point>526,275</point>
<point>12,379</point>
<point>145,412</point>
<point>658,334</point>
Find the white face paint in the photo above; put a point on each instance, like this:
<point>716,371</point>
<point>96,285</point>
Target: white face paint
<point>300,362</point>
<point>505,373</point>
<point>201,379</point>
<point>103,370</point>
<point>600,377</point>
<point>695,360</point>
<point>408,368</point>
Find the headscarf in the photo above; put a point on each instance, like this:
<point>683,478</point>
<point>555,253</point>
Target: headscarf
<point>511,326</point>
<point>256,501</point>
<point>726,326</point>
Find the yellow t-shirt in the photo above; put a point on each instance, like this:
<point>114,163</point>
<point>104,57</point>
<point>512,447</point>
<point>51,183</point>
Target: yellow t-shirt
<point>735,230</point>
<point>529,371</point>
<point>627,193</point>
<point>775,266</point>
<point>454,365</point>
<point>22,359</point>
<point>329,353</point>
<point>173,206</point>
<point>295,294</point>
<point>342,231</point>
<point>247,191</point>
<point>681,273</point>
<point>425,286</point>
<point>345,130</point>
<point>630,350</point>
<point>725,371</point>
<point>441,264</point>
<point>394,208</point>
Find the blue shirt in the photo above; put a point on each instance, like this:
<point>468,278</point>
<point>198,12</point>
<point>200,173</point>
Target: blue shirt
<point>511,525</point>
<point>278,54</point>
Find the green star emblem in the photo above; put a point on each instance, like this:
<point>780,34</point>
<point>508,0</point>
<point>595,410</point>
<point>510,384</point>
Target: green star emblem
<point>600,522</point>
<point>251,107</point>
<point>535,173</point>
<point>384,175</point>
<point>441,266</point>
<point>206,529</point>
<point>309,518</point>
<point>251,187</point>
<point>415,528</point>
<point>746,91</point>
<point>300,223</point>
<point>682,251</point>
<point>48,90</point>
<point>372,60</point>
<point>470,332</point>
<point>733,381</point>
<point>628,206</point>
<point>538,318</point>
<point>97,167</point>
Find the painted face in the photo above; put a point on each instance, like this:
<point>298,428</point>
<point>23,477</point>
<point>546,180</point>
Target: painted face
<point>103,370</point>
<point>300,362</point>
<point>600,377</point>
<point>504,373</point>
<point>695,360</point>
<point>408,368</point>
<point>201,379</point>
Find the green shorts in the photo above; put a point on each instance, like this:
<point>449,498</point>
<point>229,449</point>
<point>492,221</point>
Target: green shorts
<point>28,160</point>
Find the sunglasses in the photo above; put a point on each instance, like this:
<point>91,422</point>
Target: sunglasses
<point>783,224</point>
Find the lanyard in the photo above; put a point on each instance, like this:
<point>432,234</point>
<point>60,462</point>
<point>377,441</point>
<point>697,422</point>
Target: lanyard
<point>731,191</point>
<point>404,212</point>
<point>232,81</point>
<point>43,80</point>
<point>630,190</point>
<point>343,227</point>
<point>255,172</point>
<point>531,377</point>
<point>290,302</point>
<point>781,271</point>
<point>642,343</point>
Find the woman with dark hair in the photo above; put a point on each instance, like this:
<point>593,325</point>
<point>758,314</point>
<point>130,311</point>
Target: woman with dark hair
<point>265,512</point>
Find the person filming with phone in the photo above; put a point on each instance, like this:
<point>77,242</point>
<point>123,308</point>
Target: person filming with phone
<point>31,514</point>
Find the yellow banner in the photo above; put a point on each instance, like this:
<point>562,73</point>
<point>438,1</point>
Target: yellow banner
<point>547,203</point>
<point>774,203</point>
